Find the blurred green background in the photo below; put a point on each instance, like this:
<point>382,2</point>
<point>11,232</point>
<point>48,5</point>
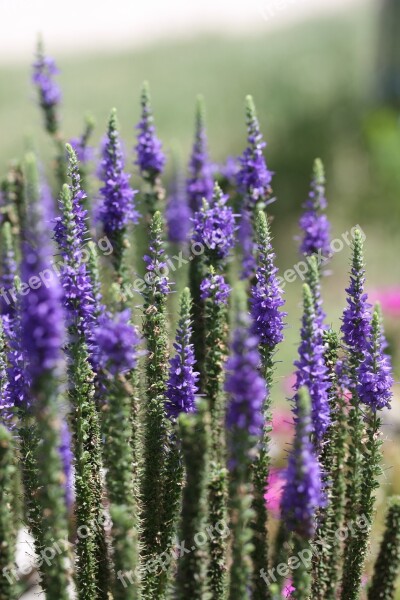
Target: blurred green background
<point>329,87</point>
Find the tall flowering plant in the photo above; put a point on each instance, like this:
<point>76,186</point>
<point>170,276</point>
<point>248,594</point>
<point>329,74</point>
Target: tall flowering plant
<point>135,440</point>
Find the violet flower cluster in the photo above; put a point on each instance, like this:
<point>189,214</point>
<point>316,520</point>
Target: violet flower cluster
<point>42,318</point>
<point>311,369</point>
<point>117,343</point>
<point>214,226</point>
<point>118,209</point>
<point>266,295</point>
<point>375,379</point>
<point>74,275</point>
<point>302,493</point>
<point>356,320</point>
<point>245,237</point>
<point>150,156</point>
<point>177,211</point>
<point>214,286</point>
<point>200,181</point>
<point>7,279</point>
<point>313,222</point>
<point>44,70</point>
<point>182,383</point>
<point>254,178</point>
<point>245,386</point>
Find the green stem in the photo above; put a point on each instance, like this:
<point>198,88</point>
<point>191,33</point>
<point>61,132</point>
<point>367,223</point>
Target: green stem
<point>192,565</point>
<point>387,566</point>
<point>361,527</point>
<point>260,474</point>
<point>118,462</point>
<point>301,575</point>
<point>8,532</point>
<point>50,495</point>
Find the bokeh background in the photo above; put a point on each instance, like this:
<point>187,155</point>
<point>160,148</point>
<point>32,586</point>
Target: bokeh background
<point>325,78</point>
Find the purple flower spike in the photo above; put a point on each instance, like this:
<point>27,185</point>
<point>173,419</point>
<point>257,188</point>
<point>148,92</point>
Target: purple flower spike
<point>375,372</point>
<point>157,269</point>
<point>214,226</point>
<point>313,223</point>
<point>75,278</point>
<point>356,320</point>
<point>117,341</point>
<point>229,170</point>
<point>303,494</point>
<point>215,287</point>
<point>200,182</point>
<point>266,295</point>
<point>245,237</point>
<point>178,213</point>
<point>44,70</point>
<point>150,157</point>
<point>311,370</point>
<point>182,383</point>
<point>41,310</point>
<point>7,280</point>
<point>254,178</point>
<point>118,209</point>
<point>244,384</point>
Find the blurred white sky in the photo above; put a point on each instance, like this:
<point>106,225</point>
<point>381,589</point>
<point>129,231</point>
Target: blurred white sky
<point>75,24</point>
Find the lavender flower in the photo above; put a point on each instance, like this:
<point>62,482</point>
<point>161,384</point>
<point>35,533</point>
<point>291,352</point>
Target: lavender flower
<point>150,157</point>
<point>254,178</point>
<point>266,295</point>
<point>69,234</point>
<point>41,312</point>
<point>214,226</point>
<point>66,456</point>
<point>302,494</point>
<point>356,325</point>
<point>182,383</point>
<point>44,70</point>
<point>313,223</point>
<point>156,267</point>
<point>118,206</point>
<point>117,342</point>
<point>375,378</point>
<point>7,280</point>
<point>245,386</point>
<point>214,286</point>
<point>177,212</point>
<point>311,369</point>
<point>200,181</point>
<point>228,170</point>
<point>78,197</point>
<point>17,374</point>
<point>245,237</point>
<point>74,275</point>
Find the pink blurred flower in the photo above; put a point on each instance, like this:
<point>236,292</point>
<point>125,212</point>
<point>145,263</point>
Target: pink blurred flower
<point>288,589</point>
<point>282,422</point>
<point>276,481</point>
<point>389,299</point>
<point>288,384</point>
